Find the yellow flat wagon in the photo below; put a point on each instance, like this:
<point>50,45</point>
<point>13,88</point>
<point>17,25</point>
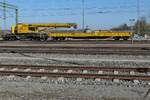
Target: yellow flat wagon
<point>91,35</point>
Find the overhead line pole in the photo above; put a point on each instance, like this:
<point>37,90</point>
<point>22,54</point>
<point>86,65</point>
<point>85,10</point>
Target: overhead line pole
<point>6,5</point>
<point>16,10</point>
<point>10,5</point>
<point>138,16</point>
<point>83,14</point>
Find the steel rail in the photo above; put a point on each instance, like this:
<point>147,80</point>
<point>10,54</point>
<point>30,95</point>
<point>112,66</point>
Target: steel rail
<point>88,68</point>
<point>73,46</point>
<point>142,51</point>
<point>76,75</point>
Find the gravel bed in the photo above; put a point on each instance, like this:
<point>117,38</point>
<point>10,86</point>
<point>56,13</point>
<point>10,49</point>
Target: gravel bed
<point>53,89</point>
<point>68,59</point>
<point>71,89</point>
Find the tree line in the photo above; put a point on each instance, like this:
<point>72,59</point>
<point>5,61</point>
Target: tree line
<point>140,27</point>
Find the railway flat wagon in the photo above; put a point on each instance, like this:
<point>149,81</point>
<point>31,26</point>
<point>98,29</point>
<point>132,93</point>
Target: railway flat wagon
<point>125,35</point>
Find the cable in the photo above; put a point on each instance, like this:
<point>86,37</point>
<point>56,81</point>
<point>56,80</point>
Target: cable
<point>75,9</point>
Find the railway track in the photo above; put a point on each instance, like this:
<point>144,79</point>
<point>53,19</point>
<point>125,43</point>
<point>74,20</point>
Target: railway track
<point>76,75</point>
<point>115,49</point>
<point>82,68</point>
<point>80,41</point>
<point>76,72</point>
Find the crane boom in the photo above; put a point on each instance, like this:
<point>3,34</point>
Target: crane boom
<point>34,28</point>
<point>54,25</point>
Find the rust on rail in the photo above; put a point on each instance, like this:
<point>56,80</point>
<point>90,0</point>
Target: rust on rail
<point>89,68</point>
<point>77,75</point>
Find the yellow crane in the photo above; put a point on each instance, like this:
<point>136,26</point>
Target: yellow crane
<point>33,31</point>
<point>34,28</point>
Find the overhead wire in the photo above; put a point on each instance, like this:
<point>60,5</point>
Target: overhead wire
<point>64,11</point>
<point>8,12</point>
<point>71,11</point>
<point>92,10</point>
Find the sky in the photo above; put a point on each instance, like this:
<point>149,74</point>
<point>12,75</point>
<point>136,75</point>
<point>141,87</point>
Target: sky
<point>99,14</point>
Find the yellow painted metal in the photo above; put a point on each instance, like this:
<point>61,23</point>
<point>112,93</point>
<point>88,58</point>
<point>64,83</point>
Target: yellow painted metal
<point>91,34</point>
<point>34,28</point>
<point>13,29</point>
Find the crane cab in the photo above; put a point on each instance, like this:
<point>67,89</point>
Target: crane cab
<point>24,29</point>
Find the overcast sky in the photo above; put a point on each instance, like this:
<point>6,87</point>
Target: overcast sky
<point>99,14</point>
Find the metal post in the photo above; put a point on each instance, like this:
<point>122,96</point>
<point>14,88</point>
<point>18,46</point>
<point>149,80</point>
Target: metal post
<point>9,6</point>
<point>132,34</point>
<point>83,14</point>
<point>138,17</point>
<point>4,9</point>
<point>132,29</point>
<point>16,20</point>
<point>16,10</point>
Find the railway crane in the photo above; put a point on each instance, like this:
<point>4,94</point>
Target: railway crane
<point>34,31</point>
